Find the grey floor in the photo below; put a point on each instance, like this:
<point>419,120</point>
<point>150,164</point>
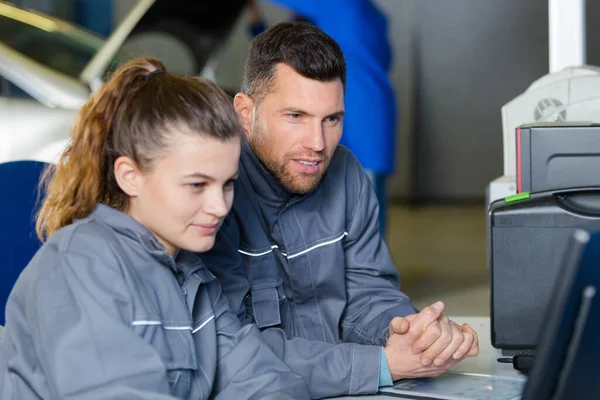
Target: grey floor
<point>440,252</point>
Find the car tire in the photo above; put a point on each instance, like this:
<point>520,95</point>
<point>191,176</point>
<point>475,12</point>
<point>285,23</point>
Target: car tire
<point>178,45</point>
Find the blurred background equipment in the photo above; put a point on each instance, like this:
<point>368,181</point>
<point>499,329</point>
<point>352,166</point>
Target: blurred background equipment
<point>571,94</point>
<point>186,35</point>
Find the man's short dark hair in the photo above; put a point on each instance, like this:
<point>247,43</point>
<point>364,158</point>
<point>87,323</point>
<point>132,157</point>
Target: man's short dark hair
<point>302,46</point>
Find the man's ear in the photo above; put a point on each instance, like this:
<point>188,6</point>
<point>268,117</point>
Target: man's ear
<point>128,176</point>
<point>244,106</point>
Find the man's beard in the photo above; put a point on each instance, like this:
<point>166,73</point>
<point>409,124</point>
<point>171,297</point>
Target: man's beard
<point>296,183</point>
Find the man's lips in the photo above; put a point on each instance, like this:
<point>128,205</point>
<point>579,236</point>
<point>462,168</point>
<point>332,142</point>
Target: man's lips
<point>309,161</point>
<point>309,166</point>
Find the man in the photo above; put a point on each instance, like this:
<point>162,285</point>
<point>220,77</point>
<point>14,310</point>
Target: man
<point>361,29</point>
<point>301,254</point>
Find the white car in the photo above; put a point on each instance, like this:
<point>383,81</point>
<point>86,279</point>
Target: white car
<point>49,68</point>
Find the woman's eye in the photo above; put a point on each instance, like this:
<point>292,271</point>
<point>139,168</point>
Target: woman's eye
<point>200,185</point>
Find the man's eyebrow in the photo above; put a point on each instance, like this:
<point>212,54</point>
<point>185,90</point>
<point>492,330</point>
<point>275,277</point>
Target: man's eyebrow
<point>295,110</point>
<point>338,114</point>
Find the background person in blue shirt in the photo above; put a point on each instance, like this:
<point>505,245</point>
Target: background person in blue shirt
<point>360,28</point>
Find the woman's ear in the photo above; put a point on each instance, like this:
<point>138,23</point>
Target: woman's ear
<point>128,176</point>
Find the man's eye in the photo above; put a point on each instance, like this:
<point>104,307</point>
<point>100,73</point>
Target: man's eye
<point>229,184</point>
<point>333,120</point>
<point>200,185</point>
<point>294,115</point>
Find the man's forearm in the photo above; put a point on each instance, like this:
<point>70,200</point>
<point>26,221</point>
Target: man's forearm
<point>375,330</point>
<point>329,369</point>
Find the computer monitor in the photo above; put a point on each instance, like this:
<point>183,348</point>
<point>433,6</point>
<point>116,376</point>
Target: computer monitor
<point>567,363</point>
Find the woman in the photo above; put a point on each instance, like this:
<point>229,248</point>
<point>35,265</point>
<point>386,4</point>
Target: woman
<point>115,305</point>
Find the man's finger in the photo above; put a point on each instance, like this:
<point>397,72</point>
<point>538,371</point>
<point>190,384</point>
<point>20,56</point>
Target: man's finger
<point>430,336</point>
<point>425,317</point>
<point>465,347</point>
<point>399,325</point>
<point>458,338</point>
<point>444,340</point>
<point>474,351</point>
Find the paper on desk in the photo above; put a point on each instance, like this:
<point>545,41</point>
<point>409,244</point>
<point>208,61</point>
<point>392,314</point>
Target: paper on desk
<point>455,385</point>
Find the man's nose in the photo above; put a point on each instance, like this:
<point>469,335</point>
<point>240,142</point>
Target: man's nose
<point>315,139</point>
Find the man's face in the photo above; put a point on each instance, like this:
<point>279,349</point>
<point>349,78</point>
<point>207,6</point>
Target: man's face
<point>296,128</point>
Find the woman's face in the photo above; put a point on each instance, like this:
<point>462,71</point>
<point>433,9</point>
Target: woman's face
<point>188,191</point>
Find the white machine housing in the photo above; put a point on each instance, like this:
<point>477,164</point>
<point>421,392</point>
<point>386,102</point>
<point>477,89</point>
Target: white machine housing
<point>569,95</point>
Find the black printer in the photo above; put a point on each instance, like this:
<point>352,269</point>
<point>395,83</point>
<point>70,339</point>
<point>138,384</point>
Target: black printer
<point>529,235</point>
<point>558,182</point>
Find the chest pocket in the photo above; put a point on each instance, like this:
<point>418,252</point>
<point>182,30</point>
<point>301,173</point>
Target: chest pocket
<point>175,346</point>
<point>266,303</point>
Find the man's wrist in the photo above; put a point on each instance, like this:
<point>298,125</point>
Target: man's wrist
<point>385,376</point>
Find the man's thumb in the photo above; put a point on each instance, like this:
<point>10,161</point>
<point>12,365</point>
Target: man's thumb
<point>399,325</point>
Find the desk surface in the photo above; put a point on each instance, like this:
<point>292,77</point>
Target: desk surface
<point>485,363</point>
